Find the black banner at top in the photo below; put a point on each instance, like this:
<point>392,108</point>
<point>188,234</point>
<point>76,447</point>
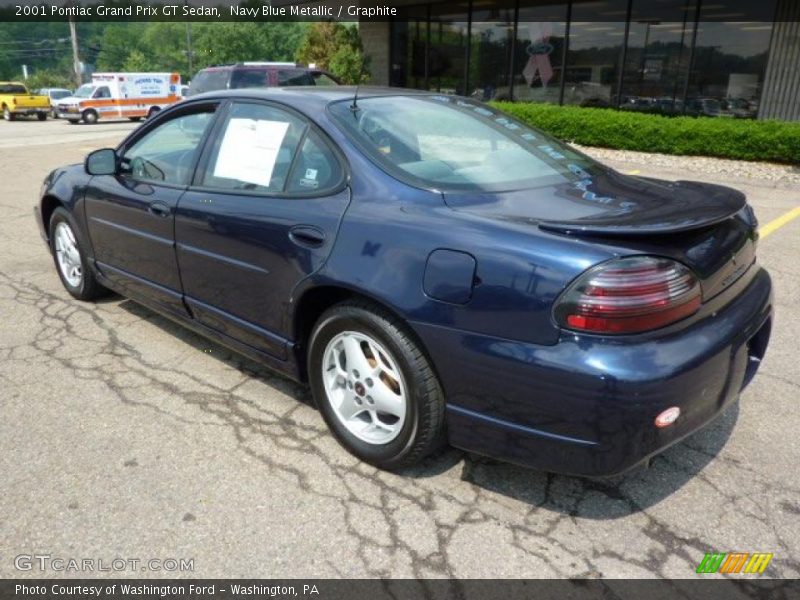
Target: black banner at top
<point>642,11</point>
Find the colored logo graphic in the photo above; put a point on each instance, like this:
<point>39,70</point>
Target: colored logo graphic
<point>735,562</point>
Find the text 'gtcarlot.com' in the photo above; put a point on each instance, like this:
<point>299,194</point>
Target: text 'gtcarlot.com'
<point>47,562</point>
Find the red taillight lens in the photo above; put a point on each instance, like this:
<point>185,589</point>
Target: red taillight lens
<point>629,295</point>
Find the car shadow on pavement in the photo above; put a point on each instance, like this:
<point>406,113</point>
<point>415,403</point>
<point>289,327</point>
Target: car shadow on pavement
<point>600,499</point>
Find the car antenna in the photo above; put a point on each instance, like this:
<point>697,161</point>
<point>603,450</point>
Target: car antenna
<point>362,71</point>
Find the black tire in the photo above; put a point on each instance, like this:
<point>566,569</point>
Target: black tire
<point>73,121</point>
<point>89,288</point>
<point>41,116</point>
<point>135,119</point>
<point>423,429</point>
<point>8,115</point>
<point>89,117</point>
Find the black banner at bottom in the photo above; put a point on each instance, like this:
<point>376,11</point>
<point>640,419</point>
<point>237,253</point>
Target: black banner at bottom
<point>397,589</point>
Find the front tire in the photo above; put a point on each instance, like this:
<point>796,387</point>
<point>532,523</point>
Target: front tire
<point>89,117</point>
<point>374,386</point>
<point>70,258</point>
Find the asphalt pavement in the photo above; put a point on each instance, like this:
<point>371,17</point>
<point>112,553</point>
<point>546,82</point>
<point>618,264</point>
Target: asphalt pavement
<point>124,436</point>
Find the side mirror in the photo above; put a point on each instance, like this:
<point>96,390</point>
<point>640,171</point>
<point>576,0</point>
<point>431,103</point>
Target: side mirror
<point>101,162</point>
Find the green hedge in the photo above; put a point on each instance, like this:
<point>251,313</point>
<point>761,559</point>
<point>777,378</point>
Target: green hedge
<point>743,139</point>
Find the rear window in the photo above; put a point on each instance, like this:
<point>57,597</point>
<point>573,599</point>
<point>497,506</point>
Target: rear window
<point>249,78</point>
<point>10,88</point>
<point>294,77</point>
<point>209,81</point>
<point>58,94</point>
<point>448,143</point>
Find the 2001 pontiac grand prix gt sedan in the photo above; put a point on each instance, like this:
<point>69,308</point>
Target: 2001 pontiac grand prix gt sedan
<point>434,269</point>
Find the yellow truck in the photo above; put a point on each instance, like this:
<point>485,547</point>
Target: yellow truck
<point>16,100</point>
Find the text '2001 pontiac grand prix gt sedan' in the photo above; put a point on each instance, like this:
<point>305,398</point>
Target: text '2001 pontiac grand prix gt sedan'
<point>434,269</point>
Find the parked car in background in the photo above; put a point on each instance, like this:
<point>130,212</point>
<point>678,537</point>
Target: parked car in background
<point>121,95</point>
<point>16,100</point>
<point>433,268</point>
<point>55,94</point>
<point>258,74</point>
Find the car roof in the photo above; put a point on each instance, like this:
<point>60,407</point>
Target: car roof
<point>312,96</point>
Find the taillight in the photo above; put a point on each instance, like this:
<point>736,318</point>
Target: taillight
<point>629,295</point>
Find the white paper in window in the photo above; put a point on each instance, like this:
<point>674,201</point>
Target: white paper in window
<point>249,150</point>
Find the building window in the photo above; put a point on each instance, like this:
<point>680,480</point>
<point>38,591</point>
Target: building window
<point>409,48</point>
<point>728,64</point>
<point>539,50</point>
<point>594,56</point>
<point>491,41</point>
<point>447,52</point>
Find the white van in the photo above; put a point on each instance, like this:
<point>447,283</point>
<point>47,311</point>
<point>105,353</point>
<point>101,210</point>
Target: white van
<point>121,95</point>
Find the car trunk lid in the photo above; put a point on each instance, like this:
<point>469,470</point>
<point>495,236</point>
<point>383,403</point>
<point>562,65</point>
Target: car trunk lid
<point>704,226</point>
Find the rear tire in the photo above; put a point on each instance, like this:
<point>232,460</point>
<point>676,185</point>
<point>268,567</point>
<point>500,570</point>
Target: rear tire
<point>374,386</point>
<point>8,115</point>
<point>70,257</point>
<point>41,116</point>
<point>135,119</point>
<point>89,117</point>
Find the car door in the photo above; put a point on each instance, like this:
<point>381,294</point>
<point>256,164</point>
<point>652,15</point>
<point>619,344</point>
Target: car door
<point>130,215</point>
<point>262,215</point>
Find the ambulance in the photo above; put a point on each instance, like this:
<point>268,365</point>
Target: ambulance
<point>120,96</point>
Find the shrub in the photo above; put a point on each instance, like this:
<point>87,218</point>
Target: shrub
<point>743,139</point>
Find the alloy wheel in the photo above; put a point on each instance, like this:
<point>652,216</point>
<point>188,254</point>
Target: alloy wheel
<point>68,255</point>
<point>365,387</point>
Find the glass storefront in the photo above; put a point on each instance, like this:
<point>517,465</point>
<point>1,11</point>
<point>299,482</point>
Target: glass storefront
<point>670,57</point>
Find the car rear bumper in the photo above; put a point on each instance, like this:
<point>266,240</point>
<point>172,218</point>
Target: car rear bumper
<point>587,405</point>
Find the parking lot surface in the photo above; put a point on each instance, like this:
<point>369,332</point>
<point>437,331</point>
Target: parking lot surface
<point>125,436</point>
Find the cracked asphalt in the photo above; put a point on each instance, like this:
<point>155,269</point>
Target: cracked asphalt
<point>124,435</point>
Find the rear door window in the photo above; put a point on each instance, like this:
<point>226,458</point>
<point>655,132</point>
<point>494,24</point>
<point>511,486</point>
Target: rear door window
<point>254,150</point>
<point>209,81</point>
<point>294,77</point>
<point>249,78</point>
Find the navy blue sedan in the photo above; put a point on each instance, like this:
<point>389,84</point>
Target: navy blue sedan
<point>435,270</point>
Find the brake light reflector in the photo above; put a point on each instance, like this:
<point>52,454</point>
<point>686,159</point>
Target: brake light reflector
<point>629,295</point>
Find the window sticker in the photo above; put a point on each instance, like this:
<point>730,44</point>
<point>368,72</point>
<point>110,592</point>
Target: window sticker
<point>310,179</point>
<point>249,150</point>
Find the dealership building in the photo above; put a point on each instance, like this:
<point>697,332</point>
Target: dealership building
<point>725,58</point>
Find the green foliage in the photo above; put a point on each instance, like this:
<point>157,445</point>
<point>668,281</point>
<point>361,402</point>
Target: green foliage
<point>136,62</point>
<point>743,139</point>
<point>336,48</point>
<point>50,78</point>
<point>144,46</point>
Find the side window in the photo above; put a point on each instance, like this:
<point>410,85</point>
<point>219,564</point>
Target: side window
<point>316,167</point>
<point>167,153</point>
<point>322,79</point>
<point>254,150</point>
<point>102,92</point>
<point>209,81</point>
<point>248,78</point>
<point>294,77</point>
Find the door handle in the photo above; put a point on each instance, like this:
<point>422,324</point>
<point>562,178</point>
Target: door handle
<point>159,209</point>
<point>307,235</point>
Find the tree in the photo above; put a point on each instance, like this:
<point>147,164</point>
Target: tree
<point>137,62</point>
<point>46,78</point>
<point>337,48</point>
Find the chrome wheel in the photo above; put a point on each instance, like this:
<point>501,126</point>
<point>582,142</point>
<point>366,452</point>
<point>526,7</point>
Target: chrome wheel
<point>68,255</point>
<point>365,387</point>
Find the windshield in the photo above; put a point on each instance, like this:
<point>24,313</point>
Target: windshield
<point>12,88</point>
<point>85,91</point>
<point>445,142</point>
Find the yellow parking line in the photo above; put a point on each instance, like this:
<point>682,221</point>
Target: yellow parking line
<point>779,222</point>
<point>634,172</point>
